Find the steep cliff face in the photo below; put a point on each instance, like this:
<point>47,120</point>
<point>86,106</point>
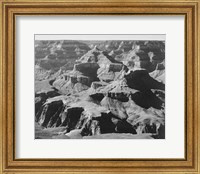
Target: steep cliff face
<point>107,116</point>
<point>104,94</point>
<point>77,80</point>
<point>41,97</point>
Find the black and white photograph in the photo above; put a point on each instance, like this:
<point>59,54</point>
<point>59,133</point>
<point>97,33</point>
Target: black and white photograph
<point>99,86</point>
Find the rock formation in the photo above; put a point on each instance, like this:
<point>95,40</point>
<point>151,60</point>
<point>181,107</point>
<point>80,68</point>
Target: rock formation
<point>115,88</point>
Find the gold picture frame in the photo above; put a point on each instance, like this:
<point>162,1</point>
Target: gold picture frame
<point>12,8</point>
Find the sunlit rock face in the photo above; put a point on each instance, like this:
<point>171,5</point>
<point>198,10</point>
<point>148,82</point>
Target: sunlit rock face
<point>106,89</point>
<point>159,73</point>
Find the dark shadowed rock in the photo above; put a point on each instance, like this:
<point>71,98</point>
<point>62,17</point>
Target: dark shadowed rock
<point>88,69</point>
<point>142,81</point>
<point>50,113</point>
<point>142,60</point>
<point>41,97</point>
<point>72,116</point>
<point>97,96</point>
<point>147,99</point>
<point>110,58</point>
<point>124,127</point>
<point>105,123</point>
